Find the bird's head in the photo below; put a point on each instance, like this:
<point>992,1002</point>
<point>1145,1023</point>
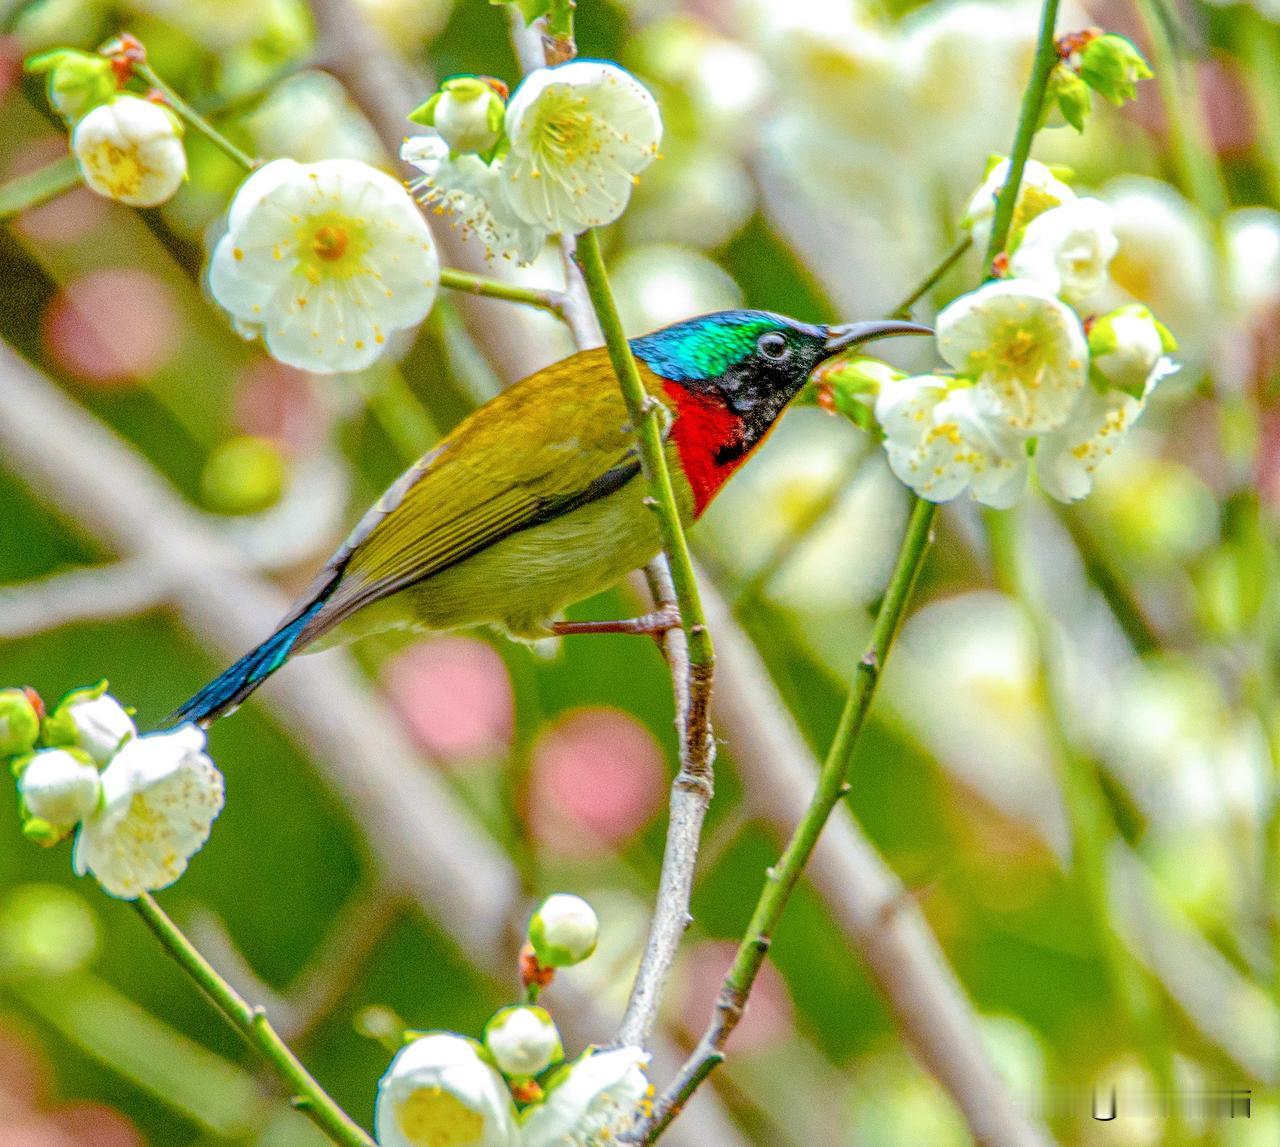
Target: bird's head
<point>731,374</point>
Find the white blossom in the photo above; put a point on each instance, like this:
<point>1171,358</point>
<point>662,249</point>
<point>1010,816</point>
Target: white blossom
<point>439,1091</point>
<point>160,795</point>
<point>98,724</point>
<point>597,1100</point>
<point>131,150</point>
<point>939,443</point>
<point>1067,458</point>
<point>474,194</point>
<point>324,260</point>
<point>1067,249</point>
<point>523,1041</point>
<point>564,930</point>
<point>60,786</point>
<point>467,113</point>
<point>1039,191</point>
<point>580,135</point>
<point>1024,350</point>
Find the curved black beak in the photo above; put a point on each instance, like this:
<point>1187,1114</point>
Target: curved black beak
<point>847,335</point>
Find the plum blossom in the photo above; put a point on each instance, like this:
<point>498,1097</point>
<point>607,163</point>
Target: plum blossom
<point>1067,249</point>
<point>1039,191</point>
<point>60,786</point>
<point>595,1101</point>
<point>564,930</point>
<point>160,796</point>
<point>523,1041</point>
<point>939,442</point>
<point>439,1090</point>
<point>1023,349</point>
<point>131,150</point>
<point>1128,349</point>
<point>1067,458</point>
<point>580,135</point>
<point>92,720</point>
<point>323,261</point>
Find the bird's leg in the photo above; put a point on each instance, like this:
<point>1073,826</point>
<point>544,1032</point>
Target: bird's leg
<point>655,624</point>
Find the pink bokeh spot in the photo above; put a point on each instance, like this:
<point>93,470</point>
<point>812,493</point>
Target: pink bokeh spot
<point>454,695</point>
<point>597,778</point>
<point>769,1016</point>
<point>112,327</point>
<point>277,402</point>
<point>69,217</point>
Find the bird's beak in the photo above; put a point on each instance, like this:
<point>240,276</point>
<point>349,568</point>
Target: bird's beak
<point>852,334</point>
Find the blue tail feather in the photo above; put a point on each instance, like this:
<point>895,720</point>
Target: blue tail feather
<point>226,691</point>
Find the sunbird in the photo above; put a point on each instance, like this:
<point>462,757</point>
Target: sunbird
<point>536,500</point>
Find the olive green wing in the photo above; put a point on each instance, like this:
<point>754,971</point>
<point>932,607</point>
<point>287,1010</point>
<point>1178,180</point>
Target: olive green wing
<point>550,444</point>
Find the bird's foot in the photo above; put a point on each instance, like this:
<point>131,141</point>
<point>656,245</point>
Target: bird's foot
<point>654,624</point>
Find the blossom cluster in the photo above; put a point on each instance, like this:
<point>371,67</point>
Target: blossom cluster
<point>513,1088</point>
<point>1034,383</point>
<point>140,806</point>
<point>559,157</point>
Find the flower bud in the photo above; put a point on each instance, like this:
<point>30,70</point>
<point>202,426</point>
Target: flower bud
<point>19,723</point>
<point>563,931</point>
<point>523,1041</point>
<point>131,150</point>
<point>77,82</point>
<point>439,1091</point>
<point>1112,67</point>
<point>1070,96</point>
<point>466,111</point>
<point>92,720</point>
<point>849,386</point>
<point>60,786</point>
<point>243,476</point>
<point>1127,346</point>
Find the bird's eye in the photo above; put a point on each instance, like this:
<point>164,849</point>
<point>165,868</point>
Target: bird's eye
<point>773,346</point>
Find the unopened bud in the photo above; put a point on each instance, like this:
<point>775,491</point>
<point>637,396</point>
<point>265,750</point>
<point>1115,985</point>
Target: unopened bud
<point>131,150</point>
<point>523,1041</point>
<point>466,111</point>
<point>92,720</point>
<point>19,723</point>
<point>77,81</point>
<point>1127,346</point>
<point>564,930</point>
<point>60,786</point>
<point>1070,96</point>
<point>1112,67</point>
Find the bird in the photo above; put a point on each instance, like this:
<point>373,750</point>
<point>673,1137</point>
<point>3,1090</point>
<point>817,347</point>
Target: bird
<point>536,500</point>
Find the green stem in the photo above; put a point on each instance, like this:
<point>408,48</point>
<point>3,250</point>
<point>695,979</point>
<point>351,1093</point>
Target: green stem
<point>38,186</point>
<point>783,877</point>
<point>1089,819</point>
<point>931,280</point>
<point>1194,161</point>
<point>646,414</point>
<point>186,112</point>
<point>308,1096</point>
<point>1028,123</point>
<point>472,284</point>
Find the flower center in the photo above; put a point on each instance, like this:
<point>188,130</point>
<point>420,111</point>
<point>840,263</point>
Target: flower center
<point>431,1117</point>
<point>329,243</point>
<point>118,168</point>
<point>1020,350</point>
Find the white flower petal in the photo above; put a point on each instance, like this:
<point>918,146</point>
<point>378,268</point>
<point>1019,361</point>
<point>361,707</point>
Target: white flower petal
<point>324,261</point>
<point>161,794</point>
<point>130,150</point>
<point>598,1100</point>
<point>1067,249</point>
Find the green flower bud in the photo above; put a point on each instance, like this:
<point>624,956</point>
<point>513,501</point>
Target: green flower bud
<point>467,112</point>
<point>1126,347</point>
<point>243,476</point>
<point>19,723</point>
<point>564,931</point>
<point>1112,67</point>
<point>1070,95</point>
<point>849,386</point>
<point>523,1041</point>
<point>78,81</point>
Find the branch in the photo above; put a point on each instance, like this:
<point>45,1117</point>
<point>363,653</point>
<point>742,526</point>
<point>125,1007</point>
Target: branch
<point>96,593</point>
<point>252,1023</point>
<point>782,879</point>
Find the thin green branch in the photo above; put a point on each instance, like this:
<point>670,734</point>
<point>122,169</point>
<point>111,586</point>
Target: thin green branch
<point>646,419</point>
<point>1028,123</point>
<point>783,877</point>
<point>307,1095</point>
<point>473,284</point>
<point>185,111</point>
<point>932,278</point>
<point>39,186</point>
